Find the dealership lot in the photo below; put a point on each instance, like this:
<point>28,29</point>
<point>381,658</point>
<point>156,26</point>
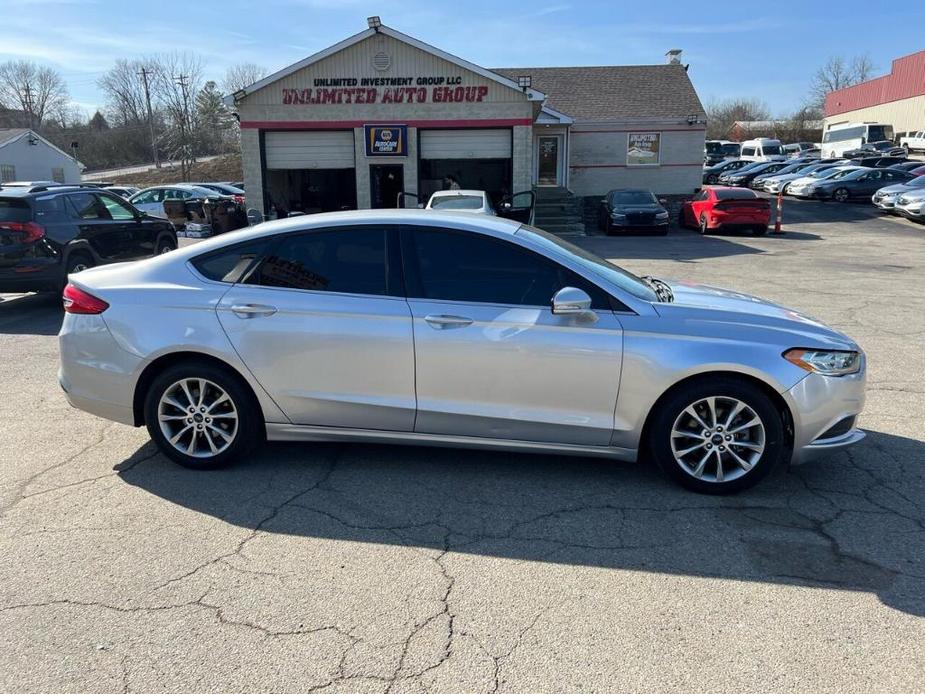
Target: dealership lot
<point>348,568</point>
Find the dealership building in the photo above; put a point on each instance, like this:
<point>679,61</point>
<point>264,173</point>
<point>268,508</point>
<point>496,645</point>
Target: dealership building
<point>896,99</point>
<point>382,113</point>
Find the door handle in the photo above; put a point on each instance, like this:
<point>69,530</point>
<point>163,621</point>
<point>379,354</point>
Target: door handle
<point>445,322</point>
<point>252,310</point>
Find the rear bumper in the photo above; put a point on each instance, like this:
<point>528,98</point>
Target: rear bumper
<point>96,374</point>
<point>31,277</point>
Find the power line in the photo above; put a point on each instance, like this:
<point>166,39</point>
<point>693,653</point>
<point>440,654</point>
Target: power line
<point>144,78</point>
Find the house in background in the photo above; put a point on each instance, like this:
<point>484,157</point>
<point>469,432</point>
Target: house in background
<point>27,156</point>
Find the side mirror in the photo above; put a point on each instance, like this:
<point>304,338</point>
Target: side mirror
<point>662,201</point>
<point>570,301</point>
<point>254,216</point>
<point>506,206</point>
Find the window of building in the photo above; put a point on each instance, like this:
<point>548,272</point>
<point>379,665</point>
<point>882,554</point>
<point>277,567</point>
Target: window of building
<point>350,261</point>
<point>7,173</point>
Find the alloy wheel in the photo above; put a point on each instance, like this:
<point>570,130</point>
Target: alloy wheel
<point>197,417</point>
<point>717,439</point>
<point>841,195</point>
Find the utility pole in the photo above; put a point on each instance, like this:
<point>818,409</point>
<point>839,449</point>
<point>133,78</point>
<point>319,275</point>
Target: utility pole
<point>28,99</point>
<point>185,134</point>
<point>144,78</point>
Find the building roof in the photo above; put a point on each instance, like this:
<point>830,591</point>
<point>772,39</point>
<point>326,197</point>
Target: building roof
<point>615,92</point>
<point>905,81</point>
<point>9,135</point>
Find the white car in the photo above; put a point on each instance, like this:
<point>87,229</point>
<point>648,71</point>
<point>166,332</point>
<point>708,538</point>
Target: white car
<point>474,201</point>
<point>913,142</point>
<point>804,187</point>
<point>151,200</point>
<point>911,205</point>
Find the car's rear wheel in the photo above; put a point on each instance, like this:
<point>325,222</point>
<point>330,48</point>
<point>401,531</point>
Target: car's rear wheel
<point>712,179</point>
<point>165,244</point>
<point>717,435</point>
<point>78,262</point>
<point>201,416</point>
<point>841,195</point>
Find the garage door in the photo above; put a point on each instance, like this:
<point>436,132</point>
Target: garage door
<point>310,150</point>
<point>466,144</point>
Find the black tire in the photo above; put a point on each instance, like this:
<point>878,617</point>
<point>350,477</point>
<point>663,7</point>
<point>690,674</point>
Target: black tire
<point>165,244</point>
<point>77,261</point>
<point>759,231</point>
<point>721,387</point>
<point>249,431</point>
<point>712,179</point>
<point>841,195</point>
<point>704,229</point>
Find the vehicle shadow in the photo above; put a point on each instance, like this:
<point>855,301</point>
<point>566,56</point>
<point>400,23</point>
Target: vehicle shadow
<point>852,522</point>
<point>31,314</point>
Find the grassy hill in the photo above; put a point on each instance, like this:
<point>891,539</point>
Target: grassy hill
<point>226,168</point>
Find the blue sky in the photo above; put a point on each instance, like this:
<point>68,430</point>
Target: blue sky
<point>763,50</point>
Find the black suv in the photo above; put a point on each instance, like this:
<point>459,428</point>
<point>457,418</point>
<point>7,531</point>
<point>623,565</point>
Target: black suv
<point>50,231</point>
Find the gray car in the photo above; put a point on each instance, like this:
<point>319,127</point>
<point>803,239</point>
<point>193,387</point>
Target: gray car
<point>422,327</point>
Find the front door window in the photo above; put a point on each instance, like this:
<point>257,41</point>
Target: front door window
<point>548,166</point>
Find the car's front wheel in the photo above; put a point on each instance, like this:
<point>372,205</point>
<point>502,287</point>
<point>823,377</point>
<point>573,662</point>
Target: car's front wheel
<point>201,416</point>
<point>717,435</point>
<point>165,244</point>
<point>841,195</point>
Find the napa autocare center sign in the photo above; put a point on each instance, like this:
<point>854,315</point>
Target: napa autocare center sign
<point>642,149</point>
<point>386,140</point>
<point>387,90</point>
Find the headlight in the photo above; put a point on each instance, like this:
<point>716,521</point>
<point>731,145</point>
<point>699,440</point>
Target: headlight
<point>661,215</point>
<point>827,363</point>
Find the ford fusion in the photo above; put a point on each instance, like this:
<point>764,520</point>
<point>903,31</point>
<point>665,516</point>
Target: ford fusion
<point>435,328</point>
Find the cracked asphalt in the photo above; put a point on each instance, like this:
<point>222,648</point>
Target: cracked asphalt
<point>359,568</point>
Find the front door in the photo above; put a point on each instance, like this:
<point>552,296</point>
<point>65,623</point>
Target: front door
<point>323,325</point>
<point>386,182</point>
<point>549,160</point>
<point>491,359</point>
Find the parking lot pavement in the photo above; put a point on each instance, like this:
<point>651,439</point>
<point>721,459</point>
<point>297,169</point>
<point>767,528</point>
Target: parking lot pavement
<point>357,568</point>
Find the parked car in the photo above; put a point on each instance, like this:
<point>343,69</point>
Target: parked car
<point>715,151</point>
<point>48,233</point>
<point>476,201</point>
<point>632,209</point>
<point>800,187</point>
<point>762,149</point>
<point>797,149</point>
<point>779,181</point>
<point>717,208</point>
<point>122,191</point>
<point>760,181</point>
<point>909,166</point>
<point>711,174</point>
<point>485,333</point>
<point>151,200</point>
<point>885,198</point>
<point>749,165</point>
<point>911,205</point>
<point>913,142</point>
<point>856,184</point>
<point>745,176</point>
<point>883,148</point>
<point>197,211</point>
<point>878,162</point>
<point>918,171</point>
<point>224,189</point>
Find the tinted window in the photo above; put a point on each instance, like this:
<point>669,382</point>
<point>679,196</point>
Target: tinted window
<point>462,266</point>
<point>457,202</point>
<point>13,210</point>
<point>748,151</point>
<point>770,149</point>
<point>633,197</point>
<point>230,264</point>
<point>116,208</point>
<point>87,206</point>
<point>352,261</point>
<point>51,209</point>
<point>735,194</point>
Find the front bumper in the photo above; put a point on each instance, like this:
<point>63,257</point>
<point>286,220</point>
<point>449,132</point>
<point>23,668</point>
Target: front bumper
<point>820,403</point>
<point>918,213</point>
<point>885,203</point>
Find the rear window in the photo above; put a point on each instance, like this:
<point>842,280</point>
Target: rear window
<point>735,194</point>
<point>14,210</point>
<point>457,202</point>
<point>230,264</point>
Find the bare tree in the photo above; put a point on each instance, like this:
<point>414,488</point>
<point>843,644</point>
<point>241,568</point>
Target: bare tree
<point>242,75</point>
<point>838,73</point>
<point>124,92</point>
<point>176,79</point>
<point>39,91</point>
<point>721,115</point>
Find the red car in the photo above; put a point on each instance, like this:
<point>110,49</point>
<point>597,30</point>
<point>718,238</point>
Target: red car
<point>720,207</point>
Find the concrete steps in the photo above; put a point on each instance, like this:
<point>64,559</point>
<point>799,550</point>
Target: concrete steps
<point>558,211</point>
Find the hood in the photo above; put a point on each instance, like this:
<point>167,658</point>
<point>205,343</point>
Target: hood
<point>641,207</point>
<point>715,307</point>
<point>914,194</point>
<point>897,188</point>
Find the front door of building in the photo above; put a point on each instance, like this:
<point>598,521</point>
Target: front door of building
<point>549,160</point>
<point>386,181</point>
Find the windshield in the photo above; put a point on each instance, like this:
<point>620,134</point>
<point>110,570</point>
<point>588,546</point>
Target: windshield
<point>626,281</point>
<point>633,197</point>
<point>456,202</point>
<point>838,173</point>
<point>850,175</point>
<point>770,149</point>
<point>713,147</point>
<point>879,133</point>
<point>825,173</point>
<point>916,182</point>
<point>732,149</point>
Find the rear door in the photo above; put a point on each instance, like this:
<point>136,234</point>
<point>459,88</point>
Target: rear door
<point>491,359</point>
<point>105,236</point>
<point>138,238</point>
<point>323,325</point>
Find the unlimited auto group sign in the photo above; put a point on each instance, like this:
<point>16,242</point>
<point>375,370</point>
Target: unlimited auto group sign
<point>386,90</point>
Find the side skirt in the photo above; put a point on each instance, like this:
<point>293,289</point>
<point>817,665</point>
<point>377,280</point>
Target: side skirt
<point>293,432</point>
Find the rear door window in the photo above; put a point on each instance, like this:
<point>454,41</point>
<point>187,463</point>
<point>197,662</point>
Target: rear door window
<point>230,264</point>
<point>51,209</point>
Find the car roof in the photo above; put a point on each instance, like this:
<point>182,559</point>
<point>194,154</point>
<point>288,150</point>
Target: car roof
<point>447,193</point>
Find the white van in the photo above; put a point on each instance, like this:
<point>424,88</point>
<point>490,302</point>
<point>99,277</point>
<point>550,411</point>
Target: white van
<point>762,149</point>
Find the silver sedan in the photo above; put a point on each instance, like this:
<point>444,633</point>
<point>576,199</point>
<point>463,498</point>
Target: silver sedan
<point>422,327</point>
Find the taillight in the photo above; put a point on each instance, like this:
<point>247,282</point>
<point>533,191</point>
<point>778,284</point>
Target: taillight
<point>239,199</point>
<point>76,300</point>
<point>30,230</point>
